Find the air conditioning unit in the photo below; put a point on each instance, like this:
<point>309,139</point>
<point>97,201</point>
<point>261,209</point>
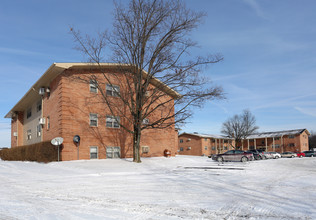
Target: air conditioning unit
<point>48,90</point>
<point>15,134</point>
<point>41,91</point>
<point>145,121</point>
<point>189,139</point>
<point>145,149</point>
<point>42,121</point>
<point>189,148</point>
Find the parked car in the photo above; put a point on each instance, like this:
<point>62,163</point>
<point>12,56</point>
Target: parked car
<point>275,155</point>
<point>257,154</point>
<point>233,155</point>
<point>310,153</point>
<point>289,154</point>
<point>300,154</point>
<point>267,155</point>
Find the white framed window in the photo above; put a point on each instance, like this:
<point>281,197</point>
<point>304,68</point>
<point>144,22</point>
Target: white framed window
<point>93,119</point>
<point>112,121</point>
<point>113,152</point>
<point>94,152</point>
<point>39,106</point>
<point>38,130</point>
<point>93,86</point>
<point>29,134</point>
<point>29,113</point>
<point>112,90</point>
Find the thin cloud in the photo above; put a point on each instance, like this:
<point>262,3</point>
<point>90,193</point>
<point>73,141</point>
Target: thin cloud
<point>256,7</point>
<point>18,51</point>
<point>307,111</point>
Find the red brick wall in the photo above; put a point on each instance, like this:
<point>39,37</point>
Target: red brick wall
<point>17,126</point>
<point>69,106</point>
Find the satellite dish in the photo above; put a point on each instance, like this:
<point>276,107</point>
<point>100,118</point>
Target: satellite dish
<point>57,141</point>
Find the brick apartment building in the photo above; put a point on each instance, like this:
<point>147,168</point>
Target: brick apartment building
<point>279,141</point>
<point>58,105</point>
<point>203,144</point>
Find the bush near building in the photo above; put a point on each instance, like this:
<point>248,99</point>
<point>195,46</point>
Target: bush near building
<point>39,152</point>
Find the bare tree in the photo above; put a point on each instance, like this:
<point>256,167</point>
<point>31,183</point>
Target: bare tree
<point>150,43</point>
<point>239,127</point>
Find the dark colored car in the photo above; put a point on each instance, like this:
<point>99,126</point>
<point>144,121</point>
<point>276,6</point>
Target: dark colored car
<point>233,155</point>
<point>257,154</point>
<point>310,153</point>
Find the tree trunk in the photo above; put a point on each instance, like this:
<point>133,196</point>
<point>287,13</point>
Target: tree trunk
<point>136,144</point>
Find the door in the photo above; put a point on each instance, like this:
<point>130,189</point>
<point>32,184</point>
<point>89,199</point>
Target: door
<point>113,152</point>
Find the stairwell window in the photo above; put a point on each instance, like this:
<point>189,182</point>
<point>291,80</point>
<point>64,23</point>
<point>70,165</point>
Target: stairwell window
<point>39,130</point>
<point>112,90</point>
<point>112,121</point>
<point>93,120</point>
<point>93,86</point>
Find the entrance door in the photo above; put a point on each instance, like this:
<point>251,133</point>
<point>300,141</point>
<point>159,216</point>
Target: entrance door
<point>113,152</point>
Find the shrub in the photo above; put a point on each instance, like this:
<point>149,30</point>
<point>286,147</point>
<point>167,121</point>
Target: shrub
<point>40,152</point>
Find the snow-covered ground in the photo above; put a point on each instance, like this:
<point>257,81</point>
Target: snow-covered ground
<point>182,187</point>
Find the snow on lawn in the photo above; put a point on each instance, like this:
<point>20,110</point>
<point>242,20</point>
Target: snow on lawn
<point>182,187</point>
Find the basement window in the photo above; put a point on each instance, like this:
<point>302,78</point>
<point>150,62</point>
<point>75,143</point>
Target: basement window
<point>93,152</point>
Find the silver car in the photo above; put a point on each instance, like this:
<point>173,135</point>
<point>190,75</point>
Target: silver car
<point>275,155</point>
<point>289,154</point>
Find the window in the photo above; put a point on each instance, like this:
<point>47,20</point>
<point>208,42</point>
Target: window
<point>29,134</point>
<point>93,119</point>
<point>181,140</point>
<point>205,148</point>
<point>277,146</point>
<point>277,138</point>
<point>205,139</point>
<point>225,148</point>
<point>39,106</point>
<point>113,152</point>
<point>93,86</point>
<point>213,148</point>
<point>29,113</point>
<point>112,90</point>
<point>262,142</point>
<point>291,145</point>
<point>93,152</point>
<point>291,136</point>
<point>213,140</point>
<point>112,121</point>
<point>38,130</point>
<point>181,148</point>
<point>225,141</point>
<point>48,123</point>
